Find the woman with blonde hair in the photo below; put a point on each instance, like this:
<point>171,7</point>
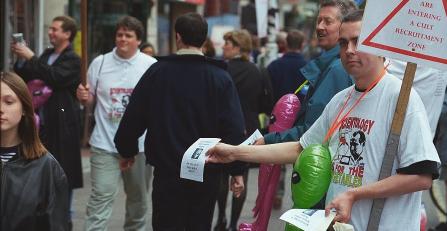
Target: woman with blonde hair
<point>34,189</point>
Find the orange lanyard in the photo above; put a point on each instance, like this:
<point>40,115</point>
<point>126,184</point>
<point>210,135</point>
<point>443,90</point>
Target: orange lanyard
<point>337,122</point>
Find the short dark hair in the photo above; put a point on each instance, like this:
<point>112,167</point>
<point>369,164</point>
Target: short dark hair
<point>131,23</point>
<point>354,16</point>
<point>344,6</point>
<point>146,45</point>
<point>295,39</point>
<point>68,24</point>
<point>192,28</point>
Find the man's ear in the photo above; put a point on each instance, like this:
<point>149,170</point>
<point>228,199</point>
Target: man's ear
<point>178,38</point>
<point>68,33</point>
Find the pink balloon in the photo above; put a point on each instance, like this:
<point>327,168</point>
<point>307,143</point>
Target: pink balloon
<point>283,117</point>
<point>40,92</point>
<point>284,113</point>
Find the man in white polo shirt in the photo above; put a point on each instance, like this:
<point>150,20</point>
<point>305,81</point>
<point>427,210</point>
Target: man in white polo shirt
<point>111,80</point>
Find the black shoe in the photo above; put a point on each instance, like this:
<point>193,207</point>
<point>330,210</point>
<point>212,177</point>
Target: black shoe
<point>221,224</point>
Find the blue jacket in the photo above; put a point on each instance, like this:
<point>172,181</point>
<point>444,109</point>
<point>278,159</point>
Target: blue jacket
<point>284,74</point>
<point>326,77</point>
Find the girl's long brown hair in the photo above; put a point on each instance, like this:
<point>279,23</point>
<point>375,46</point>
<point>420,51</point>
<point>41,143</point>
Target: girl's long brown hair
<point>31,147</point>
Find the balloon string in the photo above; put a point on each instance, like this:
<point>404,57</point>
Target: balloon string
<point>301,86</point>
<point>337,122</point>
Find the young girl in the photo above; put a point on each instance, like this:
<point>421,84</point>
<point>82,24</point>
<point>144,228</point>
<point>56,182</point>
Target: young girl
<point>33,187</point>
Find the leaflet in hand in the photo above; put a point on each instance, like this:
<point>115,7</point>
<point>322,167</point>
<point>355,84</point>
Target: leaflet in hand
<point>308,219</point>
<point>252,139</point>
<point>193,162</point>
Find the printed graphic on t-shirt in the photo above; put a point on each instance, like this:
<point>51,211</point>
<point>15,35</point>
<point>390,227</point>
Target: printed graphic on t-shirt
<point>348,163</point>
<point>120,99</point>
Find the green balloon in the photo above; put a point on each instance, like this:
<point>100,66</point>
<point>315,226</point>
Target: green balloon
<point>311,176</point>
<point>290,227</point>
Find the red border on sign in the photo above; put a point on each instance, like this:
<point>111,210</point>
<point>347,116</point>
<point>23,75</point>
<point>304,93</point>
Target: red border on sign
<point>368,42</point>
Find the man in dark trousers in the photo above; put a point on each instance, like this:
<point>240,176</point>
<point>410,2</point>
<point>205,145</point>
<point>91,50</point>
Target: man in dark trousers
<point>59,67</point>
<point>179,99</point>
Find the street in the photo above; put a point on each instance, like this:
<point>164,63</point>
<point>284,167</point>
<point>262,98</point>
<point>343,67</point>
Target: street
<point>117,219</point>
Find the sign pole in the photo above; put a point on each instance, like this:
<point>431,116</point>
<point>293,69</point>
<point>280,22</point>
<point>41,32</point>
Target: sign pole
<point>84,64</point>
<point>84,57</point>
<point>393,142</point>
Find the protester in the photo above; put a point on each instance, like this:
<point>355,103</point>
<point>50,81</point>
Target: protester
<point>59,67</point>
<point>34,192</point>
<point>111,80</point>
<point>415,163</point>
<point>325,74</point>
<point>181,98</point>
<point>249,84</point>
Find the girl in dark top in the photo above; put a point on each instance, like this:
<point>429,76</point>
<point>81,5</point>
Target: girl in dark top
<point>33,187</point>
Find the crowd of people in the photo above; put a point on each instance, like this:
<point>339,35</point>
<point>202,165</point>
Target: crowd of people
<point>149,109</point>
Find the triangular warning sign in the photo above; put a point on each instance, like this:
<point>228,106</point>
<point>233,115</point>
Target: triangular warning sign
<point>414,28</point>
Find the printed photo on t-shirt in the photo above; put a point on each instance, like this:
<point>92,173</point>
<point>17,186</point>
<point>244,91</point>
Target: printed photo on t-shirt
<point>120,99</point>
<point>348,163</point>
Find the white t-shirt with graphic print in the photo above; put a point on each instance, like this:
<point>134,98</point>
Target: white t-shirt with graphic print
<point>113,84</point>
<point>358,146</point>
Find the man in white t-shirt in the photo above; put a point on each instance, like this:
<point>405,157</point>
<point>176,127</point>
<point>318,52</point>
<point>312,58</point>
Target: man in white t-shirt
<point>358,149</point>
<point>111,80</point>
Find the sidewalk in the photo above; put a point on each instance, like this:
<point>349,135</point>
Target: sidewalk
<point>117,220</point>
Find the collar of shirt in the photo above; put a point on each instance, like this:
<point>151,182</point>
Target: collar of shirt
<point>131,60</point>
<point>314,68</point>
<point>189,52</point>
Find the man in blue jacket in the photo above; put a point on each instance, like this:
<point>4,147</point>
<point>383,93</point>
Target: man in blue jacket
<point>179,99</point>
<point>284,70</point>
<point>325,74</point>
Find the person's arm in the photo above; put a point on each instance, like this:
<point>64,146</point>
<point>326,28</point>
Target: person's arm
<point>84,96</point>
<point>292,134</point>
<point>237,185</point>
<point>395,185</point>
<point>58,204</point>
<point>282,153</point>
<point>64,72</point>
